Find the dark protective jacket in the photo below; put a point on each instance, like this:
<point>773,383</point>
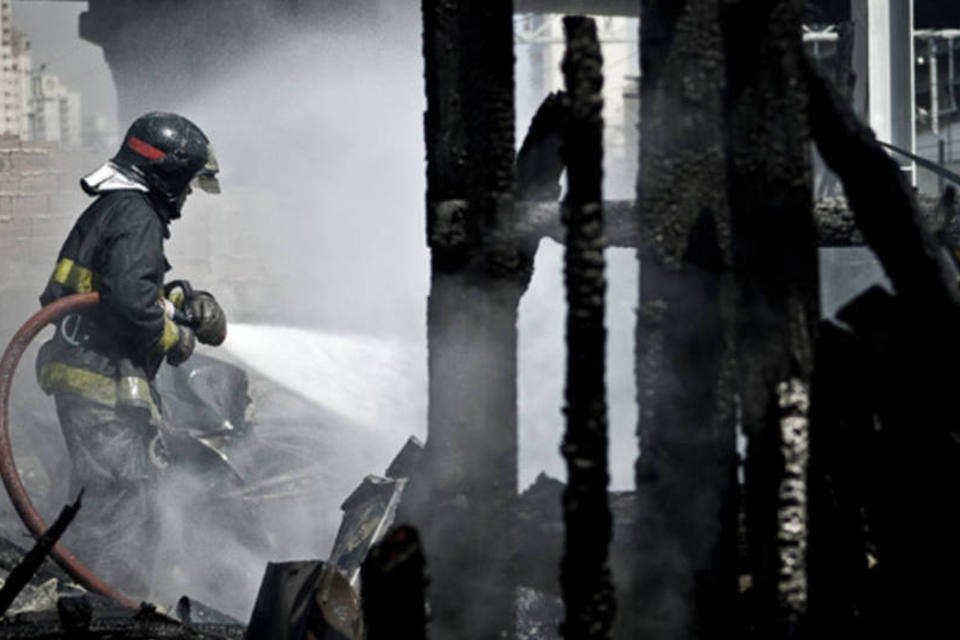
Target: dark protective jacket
<point>109,353</point>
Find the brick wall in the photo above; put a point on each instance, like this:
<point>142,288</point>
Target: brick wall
<point>39,200</point>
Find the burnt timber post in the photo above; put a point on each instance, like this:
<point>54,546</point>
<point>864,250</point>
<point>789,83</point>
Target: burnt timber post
<point>684,576</point>
<point>585,571</point>
<point>729,288</point>
<point>775,250</point>
<point>393,583</point>
<point>903,475</point>
<point>463,495</point>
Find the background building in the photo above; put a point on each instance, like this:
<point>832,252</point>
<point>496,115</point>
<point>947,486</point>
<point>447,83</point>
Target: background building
<point>53,112</point>
<point>539,46</point>
<point>12,49</point>
<point>34,106</point>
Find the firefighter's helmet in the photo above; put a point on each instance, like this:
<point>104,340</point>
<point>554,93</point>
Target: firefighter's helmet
<point>168,153</point>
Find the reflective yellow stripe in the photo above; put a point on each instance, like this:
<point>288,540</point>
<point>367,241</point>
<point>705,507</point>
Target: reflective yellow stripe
<point>56,376</point>
<point>171,335</point>
<point>74,277</point>
<point>129,390</point>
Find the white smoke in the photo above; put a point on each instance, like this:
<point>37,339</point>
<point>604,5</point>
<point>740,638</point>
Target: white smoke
<point>316,249</point>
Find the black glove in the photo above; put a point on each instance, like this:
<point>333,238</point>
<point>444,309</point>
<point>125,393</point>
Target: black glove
<point>209,320</point>
<point>182,351</point>
<point>178,292</point>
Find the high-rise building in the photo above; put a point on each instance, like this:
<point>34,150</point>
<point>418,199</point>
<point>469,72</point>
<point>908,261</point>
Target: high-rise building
<point>53,112</point>
<point>34,106</point>
<point>12,50</point>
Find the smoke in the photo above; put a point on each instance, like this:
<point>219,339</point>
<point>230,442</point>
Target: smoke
<point>542,361</point>
<point>316,249</point>
<point>317,245</point>
<point>542,347</point>
<point>321,220</point>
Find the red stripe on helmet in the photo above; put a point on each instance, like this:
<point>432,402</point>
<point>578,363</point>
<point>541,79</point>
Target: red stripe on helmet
<point>148,151</point>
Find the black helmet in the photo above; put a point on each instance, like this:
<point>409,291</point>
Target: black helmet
<point>167,152</point>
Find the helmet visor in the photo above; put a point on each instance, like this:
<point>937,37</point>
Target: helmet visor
<point>206,178</point>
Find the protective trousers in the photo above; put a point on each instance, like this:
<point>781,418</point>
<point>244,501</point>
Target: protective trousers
<point>117,458</point>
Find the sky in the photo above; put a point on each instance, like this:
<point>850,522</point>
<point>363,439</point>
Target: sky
<point>52,28</point>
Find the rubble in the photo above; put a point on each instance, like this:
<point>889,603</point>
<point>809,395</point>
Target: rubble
<point>324,596</point>
<point>45,586</point>
<point>843,521</point>
<point>51,606</point>
<point>71,622</point>
<point>20,576</point>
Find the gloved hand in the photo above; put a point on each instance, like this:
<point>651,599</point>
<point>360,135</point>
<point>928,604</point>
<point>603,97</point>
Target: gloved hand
<point>178,293</point>
<point>209,320</point>
<point>182,351</point>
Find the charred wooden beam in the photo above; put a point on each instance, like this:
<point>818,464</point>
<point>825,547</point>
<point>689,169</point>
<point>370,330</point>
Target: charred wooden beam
<point>461,497</point>
<point>580,7</point>
<point>843,444</point>
<point>585,569</point>
<point>776,265</point>
<point>833,218</point>
<point>881,202</point>
<point>537,220</point>
<point>23,572</point>
<point>539,165</point>
<point>393,582</point>
<point>793,407</point>
<point>684,579</point>
<point>899,417</point>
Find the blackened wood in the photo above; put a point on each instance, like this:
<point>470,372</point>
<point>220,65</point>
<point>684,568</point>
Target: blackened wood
<point>684,579</point>
<point>393,584</point>
<point>883,206</point>
<point>793,409</point>
<point>776,265</point>
<point>843,446</point>
<point>884,442</point>
<point>20,576</point>
<point>539,166</point>
<point>903,352</point>
<point>833,217</point>
<point>585,571</point>
<point>461,497</point>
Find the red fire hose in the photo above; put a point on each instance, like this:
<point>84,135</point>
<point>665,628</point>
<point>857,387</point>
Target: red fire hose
<point>8,468</point>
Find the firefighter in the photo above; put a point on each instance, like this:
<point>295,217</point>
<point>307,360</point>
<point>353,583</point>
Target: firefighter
<point>100,364</point>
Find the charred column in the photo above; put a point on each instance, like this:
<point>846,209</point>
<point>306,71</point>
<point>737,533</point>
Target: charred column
<point>775,258</point>
<point>462,495</point>
<point>885,445</point>
<point>585,571</point>
<point>685,579</point>
<point>393,581</point>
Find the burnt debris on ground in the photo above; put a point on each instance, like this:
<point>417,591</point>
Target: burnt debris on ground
<point>795,476</point>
